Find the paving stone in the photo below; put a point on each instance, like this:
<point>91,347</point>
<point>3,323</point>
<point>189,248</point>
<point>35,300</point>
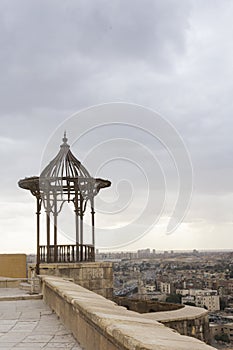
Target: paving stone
<point>62,338</point>
<point>8,322</point>
<point>31,325</point>
<point>63,332</point>
<point>12,338</point>
<point>35,338</point>
<point>5,328</point>
<point>24,326</point>
<point>30,346</point>
<point>67,346</point>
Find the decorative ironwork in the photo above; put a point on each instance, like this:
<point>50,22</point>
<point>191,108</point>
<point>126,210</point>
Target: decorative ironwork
<point>67,253</point>
<point>64,179</point>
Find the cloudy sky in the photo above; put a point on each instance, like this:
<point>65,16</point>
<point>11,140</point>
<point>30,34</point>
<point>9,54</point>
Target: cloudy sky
<point>172,56</point>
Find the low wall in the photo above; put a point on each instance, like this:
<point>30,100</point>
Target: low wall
<point>95,276</point>
<point>143,306</point>
<point>11,282</point>
<point>13,265</point>
<point>190,320</point>
<point>100,324</point>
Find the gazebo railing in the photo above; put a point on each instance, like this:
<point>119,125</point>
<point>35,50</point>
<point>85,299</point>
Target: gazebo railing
<point>66,253</point>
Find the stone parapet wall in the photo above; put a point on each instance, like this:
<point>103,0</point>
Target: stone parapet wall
<point>144,306</point>
<point>190,320</point>
<point>100,324</point>
<point>95,276</point>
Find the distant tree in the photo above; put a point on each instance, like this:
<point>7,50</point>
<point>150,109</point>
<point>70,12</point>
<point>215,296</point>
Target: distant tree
<point>223,304</point>
<point>190,303</point>
<point>223,337</point>
<point>174,298</point>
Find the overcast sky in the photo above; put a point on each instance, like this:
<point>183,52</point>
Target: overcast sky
<point>172,56</point>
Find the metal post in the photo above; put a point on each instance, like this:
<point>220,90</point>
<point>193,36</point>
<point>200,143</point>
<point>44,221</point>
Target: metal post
<point>48,235</point>
<point>93,226</point>
<point>38,209</point>
<point>81,227</point>
<point>55,228</point>
<point>48,227</point>
<point>76,226</point>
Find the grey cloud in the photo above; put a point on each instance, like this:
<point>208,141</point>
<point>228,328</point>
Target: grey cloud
<point>173,56</point>
<point>53,51</point>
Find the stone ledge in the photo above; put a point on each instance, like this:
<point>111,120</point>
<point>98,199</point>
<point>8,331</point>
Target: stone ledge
<point>21,297</point>
<point>9,282</point>
<point>186,313</point>
<point>100,324</point>
<point>74,265</point>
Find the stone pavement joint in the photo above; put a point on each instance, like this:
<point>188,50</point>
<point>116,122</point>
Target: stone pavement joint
<point>31,325</point>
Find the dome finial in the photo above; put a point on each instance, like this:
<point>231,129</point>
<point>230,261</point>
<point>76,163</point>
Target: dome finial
<point>65,138</point>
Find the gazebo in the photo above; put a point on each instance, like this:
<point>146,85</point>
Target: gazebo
<point>64,179</point>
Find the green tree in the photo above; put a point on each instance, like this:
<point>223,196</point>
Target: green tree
<point>223,304</point>
<point>223,337</point>
<point>174,298</point>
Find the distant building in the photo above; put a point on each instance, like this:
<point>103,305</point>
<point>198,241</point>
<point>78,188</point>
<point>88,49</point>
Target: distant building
<point>182,292</point>
<point>188,299</point>
<point>201,297</point>
<point>221,329</point>
<point>144,253</point>
<point>211,302</point>
<point>165,287</point>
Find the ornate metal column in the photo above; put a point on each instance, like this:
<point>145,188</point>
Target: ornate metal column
<point>55,214</point>
<point>38,211</point>
<point>81,227</point>
<point>93,225</point>
<point>48,210</point>
<point>76,210</point>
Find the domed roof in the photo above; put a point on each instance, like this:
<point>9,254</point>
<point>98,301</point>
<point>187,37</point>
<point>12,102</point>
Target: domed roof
<point>65,164</point>
<point>64,174</point>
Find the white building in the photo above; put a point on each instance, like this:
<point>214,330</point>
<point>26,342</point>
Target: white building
<point>188,299</point>
<point>211,302</point>
<point>220,329</point>
<point>182,292</point>
<point>207,298</point>
<point>165,287</point>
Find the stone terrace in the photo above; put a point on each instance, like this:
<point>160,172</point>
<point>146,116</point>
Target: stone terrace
<point>31,325</point>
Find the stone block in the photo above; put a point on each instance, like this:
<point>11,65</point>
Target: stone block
<point>77,274</point>
<point>108,273</point>
<point>92,273</point>
<point>95,284</point>
<point>106,283</point>
<point>109,293</point>
<point>85,284</point>
<point>3,284</point>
